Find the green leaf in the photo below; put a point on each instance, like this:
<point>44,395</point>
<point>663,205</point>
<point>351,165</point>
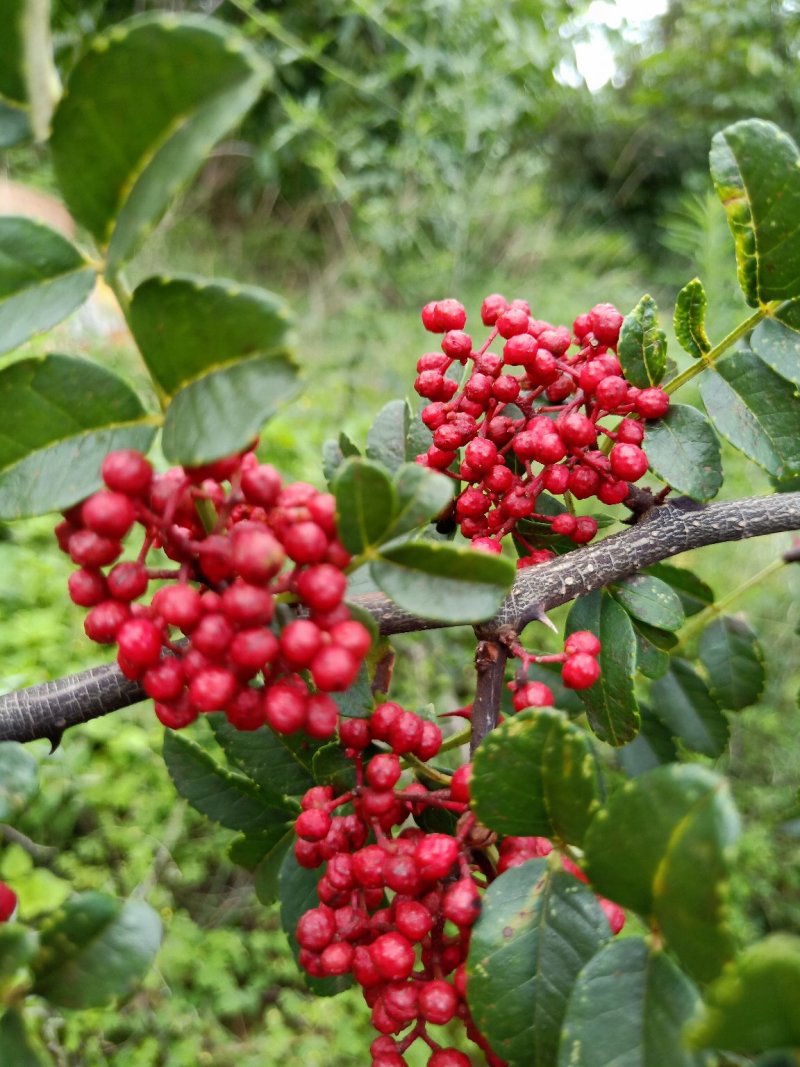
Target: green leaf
<point>535,932</point>
<point>683,703</point>
<point>755,167</point>
<point>651,661</point>
<point>142,108</point>
<point>42,279</point>
<point>732,655</point>
<point>652,747</point>
<point>647,846</point>
<point>650,600</point>
<point>683,451</point>
<point>61,416</point>
<point>642,346</point>
<point>269,868</point>
<point>19,779</point>
<point>356,702</point>
<point>779,347</point>
<point>248,852</point>
<point>365,503</point>
<point>14,125</point>
<point>689,322</point>
<point>755,1003</point>
<point>421,494</point>
<point>95,949</point>
<point>536,776</point>
<point>229,799</point>
<point>18,946</point>
<point>442,582</point>
<point>628,1008</point>
<point>694,594</point>
<point>12,74</point>
<point>611,702</point>
<point>297,890</point>
<point>331,767</point>
<point>15,1043</point>
<point>386,440</point>
<point>219,353</point>
<point>279,764</point>
<point>756,409</point>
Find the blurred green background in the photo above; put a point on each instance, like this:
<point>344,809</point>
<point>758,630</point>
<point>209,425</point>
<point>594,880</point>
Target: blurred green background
<point>549,149</point>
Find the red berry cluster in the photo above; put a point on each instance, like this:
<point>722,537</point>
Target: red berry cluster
<point>407,954</point>
<point>244,544</point>
<point>397,904</point>
<point>529,419</point>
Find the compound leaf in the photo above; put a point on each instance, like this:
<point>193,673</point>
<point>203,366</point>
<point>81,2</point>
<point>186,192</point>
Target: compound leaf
<point>732,655</point>
<point>642,346</point>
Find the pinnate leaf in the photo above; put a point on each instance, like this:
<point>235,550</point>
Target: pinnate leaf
<point>628,1007</point>
<point>694,593</point>
<point>420,495</point>
<point>61,416</point>
<point>535,932</point>
<point>42,279</point>
<point>778,345</point>
<point>611,702</point>
<point>142,108</point>
<point>16,1046</point>
<point>365,503</point>
<point>754,1005</point>
<point>690,319</point>
<point>644,850</point>
<point>642,347</point>
<point>536,776</point>
<point>279,764</point>
<point>683,451</point>
<point>683,703</point>
<point>442,582</point>
<point>650,600</point>
<point>755,167</point>
<point>756,410</point>
<point>386,440</point>
<point>95,948</point>
<point>732,655</point>
<point>221,795</point>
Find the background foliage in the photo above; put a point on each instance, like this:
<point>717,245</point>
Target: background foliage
<point>405,151</point>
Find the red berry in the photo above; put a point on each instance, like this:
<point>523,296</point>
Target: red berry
<point>322,715</point>
<point>630,432</point>
<point>261,484</point>
<point>351,636</point>
<point>576,430</point>
<point>253,650</point>
<point>564,524</point>
<point>368,866</point>
<point>462,903</point>
<point>449,1057</point>
<point>580,671</point>
<point>334,669</point>
<point>165,681</point>
<point>256,555</point>
<point>429,743</point>
<point>127,471</point>
<point>354,733</point>
<point>92,550</point>
<point>511,322</point>
<point>438,1002</point>
<point>585,529</point>
<point>300,641</point>
<point>212,688</point>
<point>213,635</point>
<point>8,902</point>
<point>322,587</point>
<point>247,605</point>
<point>103,622</point>
<point>533,695</point>
<point>315,929</point>
<point>285,707</point>
<point>652,403</point>
<point>382,718</point>
<point>400,874</point>
<point>405,733</point>
<point>306,542</point>
<point>459,783</point>
<point>313,824</point>
<point>140,642</point>
<point>605,322</point>
<point>451,314</point>
<point>108,514</point>
<point>175,716</point>
<point>337,958</point>
<point>178,605</point>
<point>393,956</point>
<point>127,581</point>
<point>383,771</point>
<point>492,308</point>
<point>435,855</point>
<point>87,587</point>
<point>582,641</point>
<point>628,462</point>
